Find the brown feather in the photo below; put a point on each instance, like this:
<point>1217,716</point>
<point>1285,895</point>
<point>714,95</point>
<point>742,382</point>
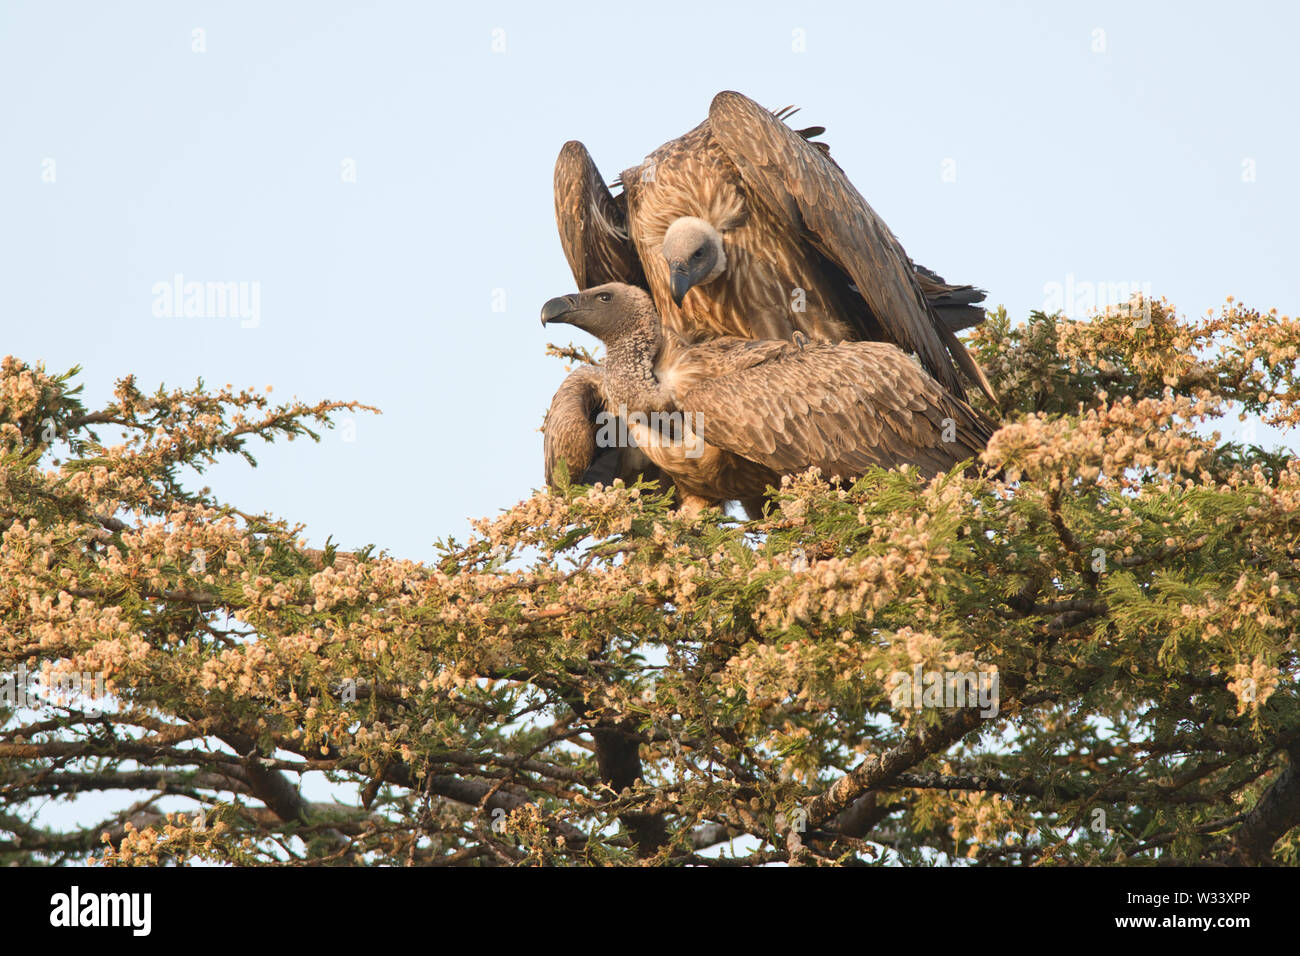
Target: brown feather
<point>767,409</point>
<point>592,223</point>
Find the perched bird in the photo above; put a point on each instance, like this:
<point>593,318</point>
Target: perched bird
<point>726,418</point>
<point>745,227</point>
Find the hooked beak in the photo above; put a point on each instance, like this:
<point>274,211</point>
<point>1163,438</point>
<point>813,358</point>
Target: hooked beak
<point>679,281</point>
<point>556,309</point>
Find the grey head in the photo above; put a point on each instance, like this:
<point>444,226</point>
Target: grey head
<point>695,255</point>
<point>612,312</point>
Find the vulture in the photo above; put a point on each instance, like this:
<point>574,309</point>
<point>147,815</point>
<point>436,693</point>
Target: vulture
<point>727,417</point>
<point>745,227</point>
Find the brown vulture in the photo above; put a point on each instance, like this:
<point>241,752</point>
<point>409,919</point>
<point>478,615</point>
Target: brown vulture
<point>726,418</point>
<point>769,233</point>
<point>745,227</point>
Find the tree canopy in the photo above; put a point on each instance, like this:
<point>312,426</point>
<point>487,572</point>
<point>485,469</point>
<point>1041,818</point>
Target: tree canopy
<point>1086,654</point>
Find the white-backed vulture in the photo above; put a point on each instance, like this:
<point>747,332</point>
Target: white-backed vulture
<point>744,227</point>
<point>726,418</point>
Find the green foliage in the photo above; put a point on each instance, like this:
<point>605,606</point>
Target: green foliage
<point>597,678</point>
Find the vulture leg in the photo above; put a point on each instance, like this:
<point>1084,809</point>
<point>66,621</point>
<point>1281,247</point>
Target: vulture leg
<point>692,505</point>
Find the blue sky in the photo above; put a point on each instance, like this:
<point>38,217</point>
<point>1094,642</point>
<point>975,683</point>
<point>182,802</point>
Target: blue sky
<point>1010,145</point>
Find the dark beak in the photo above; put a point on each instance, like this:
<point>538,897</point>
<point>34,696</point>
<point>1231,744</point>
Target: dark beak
<point>556,309</point>
<point>679,281</point>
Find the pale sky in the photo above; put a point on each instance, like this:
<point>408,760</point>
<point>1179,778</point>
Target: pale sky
<point>1010,145</point>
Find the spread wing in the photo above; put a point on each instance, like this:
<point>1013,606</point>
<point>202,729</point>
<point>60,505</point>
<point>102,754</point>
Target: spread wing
<point>592,223</point>
<point>801,185</point>
<point>840,407</point>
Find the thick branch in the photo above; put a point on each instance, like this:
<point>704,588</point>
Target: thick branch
<point>1276,812</point>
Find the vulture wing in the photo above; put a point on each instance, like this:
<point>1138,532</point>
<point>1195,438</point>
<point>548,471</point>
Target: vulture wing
<point>593,223</point>
<point>840,407</point>
<point>568,432</point>
<point>957,305</point>
<point>569,435</point>
<point>802,186</point>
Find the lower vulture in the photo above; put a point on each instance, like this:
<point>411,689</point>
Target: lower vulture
<point>726,418</point>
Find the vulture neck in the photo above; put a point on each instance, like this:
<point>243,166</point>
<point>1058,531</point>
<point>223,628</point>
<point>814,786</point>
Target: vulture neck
<point>630,369</point>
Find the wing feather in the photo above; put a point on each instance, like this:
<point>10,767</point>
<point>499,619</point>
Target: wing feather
<point>800,184</point>
<point>957,305</point>
<point>840,407</point>
<point>592,223</point>
<point>569,434</point>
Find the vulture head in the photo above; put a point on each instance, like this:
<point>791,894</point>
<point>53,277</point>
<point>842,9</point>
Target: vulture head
<point>695,255</point>
<point>610,312</point>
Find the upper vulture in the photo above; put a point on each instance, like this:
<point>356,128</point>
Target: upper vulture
<point>726,418</point>
<point>745,227</point>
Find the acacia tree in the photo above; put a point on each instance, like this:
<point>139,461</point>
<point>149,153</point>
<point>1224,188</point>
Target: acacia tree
<point>595,678</point>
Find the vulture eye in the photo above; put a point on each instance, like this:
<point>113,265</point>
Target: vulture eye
<point>699,254</point>
<point>604,296</point>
